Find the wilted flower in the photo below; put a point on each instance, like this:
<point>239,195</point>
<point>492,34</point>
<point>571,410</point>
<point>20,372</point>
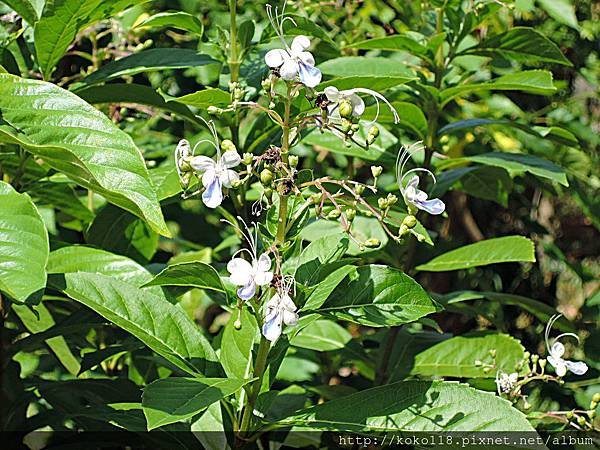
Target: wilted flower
<point>557,350</point>
<point>216,174</point>
<point>251,274</point>
<point>413,196</point>
<point>337,97</point>
<point>292,61</point>
<point>280,309</point>
<point>505,383</point>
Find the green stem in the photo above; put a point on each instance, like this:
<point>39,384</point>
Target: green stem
<point>234,62</point>
<point>259,372</point>
<point>285,147</point>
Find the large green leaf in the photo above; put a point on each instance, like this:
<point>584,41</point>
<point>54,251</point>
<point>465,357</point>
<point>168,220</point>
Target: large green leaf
<point>516,164</point>
<point>522,44</point>
<point>149,61</point>
<point>77,139</point>
<point>411,117</point>
<point>457,356</point>
<point>391,43</point>
<point>179,19</point>
<point>414,406</point>
<point>206,97</point>
<point>191,274</point>
<point>378,296</point>
<point>352,66</point>
<point>376,83</point>
<point>25,9</point>
<point>562,11</point>
<point>162,326</point>
<point>322,335</point>
<point>533,81</point>
<point>318,253</point>
<point>174,399</point>
<point>23,246</point>
<point>61,21</point>
<point>237,344</point>
<point>490,251</point>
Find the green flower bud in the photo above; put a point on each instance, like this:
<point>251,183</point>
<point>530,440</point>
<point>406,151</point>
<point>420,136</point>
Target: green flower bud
<point>355,127</point>
<point>268,193</point>
<point>382,202</point>
<point>596,397</point>
<point>591,414</point>
<point>228,145</point>
<point>247,158</point>
<point>214,111</point>
<point>486,370</point>
<point>478,363</point>
<point>266,177</point>
<point>266,84</point>
<point>581,420</point>
<point>293,160</point>
<point>316,198</point>
<point>593,404</point>
<point>345,109</point>
<point>359,189</point>
<point>376,171</point>
<point>526,405</point>
<point>237,324</point>
<point>493,353</point>
<point>334,214</point>
<point>374,131</point>
<point>350,214</point>
<point>526,355</point>
<point>346,125</point>
<point>236,184</point>
<point>391,199</point>
<point>410,221</point>
<point>372,243</point>
<point>535,358</point>
<point>238,94</point>
<point>570,414</point>
<point>542,363</point>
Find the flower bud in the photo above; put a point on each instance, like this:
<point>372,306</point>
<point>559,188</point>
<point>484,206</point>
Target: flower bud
<point>493,353</point>
<point>570,414</point>
<point>486,370</point>
<point>237,324</point>
<point>213,110</point>
<point>382,202</point>
<point>334,214</point>
<point>268,194</point>
<point>293,160</point>
<point>526,405</point>
<point>581,420</point>
<point>542,363</point>
<point>236,184</point>
<point>346,125</point>
<point>526,355</point>
<point>359,189</point>
<point>535,358</point>
<point>316,198</point>
<point>266,84</point>
<point>596,397</point>
<point>266,177</point>
<point>372,243</point>
<point>350,214</point>
<point>355,127</point>
<point>345,109</point>
<point>593,404</point>
<point>374,131</point>
<point>247,158</point>
<point>591,413</point>
<point>478,363</point>
<point>410,221</point>
<point>391,199</point>
<point>228,145</point>
<point>376,171</point>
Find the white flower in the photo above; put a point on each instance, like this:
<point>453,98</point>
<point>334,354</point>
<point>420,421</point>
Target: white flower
<point>336,96</point>
<point>216,175</point>
<point>280,309</point>
<point>505,382</point>
<point>249,275</point>
<point>413,196</point>
<point>557,350</point>
<point>292,61</point>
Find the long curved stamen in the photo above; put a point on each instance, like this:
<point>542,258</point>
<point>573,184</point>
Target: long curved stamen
<point>277,21</point>
<point>377,96</point>
<point>210,142</point>
<point>549,326</point>
<point>419,169</point>
<point>213,130</point>
<point>247,235</point>
<point>403,157</point>
<point>560,336</point>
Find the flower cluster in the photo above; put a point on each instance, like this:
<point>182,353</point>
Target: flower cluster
<point>556,351</point>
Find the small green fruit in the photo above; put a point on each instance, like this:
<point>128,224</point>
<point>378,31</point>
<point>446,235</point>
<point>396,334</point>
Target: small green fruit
<point>410,221</point>
<point>350,214</point>
<point>372,243</point>
<point>334,214</point>
<point>266,177</point>
<point>227,145</point>
<point>345,109</point>
<point>293,160</point>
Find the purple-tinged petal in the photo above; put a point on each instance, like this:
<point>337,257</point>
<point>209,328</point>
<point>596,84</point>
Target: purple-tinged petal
<point>213,196</point>
<point>248,291</point>
<point>309,75</point>
<point>434,206</point>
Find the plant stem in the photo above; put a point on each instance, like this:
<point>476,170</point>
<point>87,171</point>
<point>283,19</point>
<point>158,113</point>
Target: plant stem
<point>259,372</point>
<point>285,146</point>
<point>233,62</point>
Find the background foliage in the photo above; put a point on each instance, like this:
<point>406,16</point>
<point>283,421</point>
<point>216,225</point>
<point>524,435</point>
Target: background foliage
<point>116,308</point>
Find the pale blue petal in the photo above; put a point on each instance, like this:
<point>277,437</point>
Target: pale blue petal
<point>309,75</point>
<point>272,327</point>
<point>434,206</point>
<point>212,196</point>
<point>247,292</point>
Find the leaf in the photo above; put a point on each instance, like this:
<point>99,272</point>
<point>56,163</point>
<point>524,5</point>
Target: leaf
<point>376,83</point>
<point>490,251</point>
<point>162,326</point>
<point>237,345</point>
<point>391,43</point>
<point>150,60</point>
<point>352,66</point>
<point>318,253</point>
<point>521,44</point>
<point>516,163</point>
<point>414,406</point>
<point>62,197</point>
<point>193,274</point>
<point>455,357</point>
<point>207,97</point>
<point>23,246</point>
<point>411,117</point>
<point>133,93</point>
<point>304,25</point>
<point>533,81</point>
<point>25,9</point>
<point>322,336</point>
<point>119,231</point>
<point>326,286</point>
<point>562,11</point>
<point>209,429</point>
<point>78,140</point>
<point>488,183</point>
<point>61,21</point>
<point>171,400</point>
<point>378,296</point>
<point>40,320</point>
<point>180,20</point>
